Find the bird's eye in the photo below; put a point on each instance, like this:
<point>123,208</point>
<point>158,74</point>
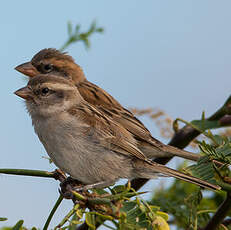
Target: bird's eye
<point>45,91</point>
<point>48,68</point>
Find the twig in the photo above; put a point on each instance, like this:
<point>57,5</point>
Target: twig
<point>66,218</point>
<point>57,174</point>
<point>58,202</point>
<point>74,35</point>
<point>28,172</point>
<point>220,214</point>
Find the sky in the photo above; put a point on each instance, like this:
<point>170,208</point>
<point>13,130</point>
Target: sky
<point>172,55</point>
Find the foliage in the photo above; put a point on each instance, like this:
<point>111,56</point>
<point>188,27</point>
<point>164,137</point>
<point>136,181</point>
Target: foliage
<point>74,34</point>
<point>114,206</point>
<point>117,208</point>
<point>184,201</point>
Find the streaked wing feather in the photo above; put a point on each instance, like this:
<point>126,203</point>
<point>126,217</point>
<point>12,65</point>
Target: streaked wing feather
<point>109,133</point>
<point>108,105</point>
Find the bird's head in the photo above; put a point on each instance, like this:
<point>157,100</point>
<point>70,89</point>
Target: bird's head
<point>49,94</point>
<point>54,62</point>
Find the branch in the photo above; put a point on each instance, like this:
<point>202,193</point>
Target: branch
<point>220,215</point>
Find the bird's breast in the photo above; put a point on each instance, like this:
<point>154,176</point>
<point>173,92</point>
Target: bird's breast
<point>79,153</point>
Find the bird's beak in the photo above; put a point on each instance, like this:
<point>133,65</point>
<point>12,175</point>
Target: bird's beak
<point>28,69</point>
<point>24,93</point>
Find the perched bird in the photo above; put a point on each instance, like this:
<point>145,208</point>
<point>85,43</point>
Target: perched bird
<point>84,142</point>
<point>60,64</point>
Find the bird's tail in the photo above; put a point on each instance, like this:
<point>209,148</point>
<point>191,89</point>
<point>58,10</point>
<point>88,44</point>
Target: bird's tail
<point>156,149</point>
<point>151,169</point>
<point>180,153</point>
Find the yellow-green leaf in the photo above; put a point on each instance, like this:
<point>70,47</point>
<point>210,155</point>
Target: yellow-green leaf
<point>161,224</point>
<point>90,220</point>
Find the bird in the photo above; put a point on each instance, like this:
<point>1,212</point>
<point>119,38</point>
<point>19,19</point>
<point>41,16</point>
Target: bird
<point>53,61</point>
<point>84,142</point>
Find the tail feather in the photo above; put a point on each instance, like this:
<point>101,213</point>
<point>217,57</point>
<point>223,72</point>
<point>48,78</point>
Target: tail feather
<point>181,153</point>
<point>155,168</point>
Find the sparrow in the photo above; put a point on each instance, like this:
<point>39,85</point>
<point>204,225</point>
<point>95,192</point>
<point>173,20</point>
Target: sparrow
<point>84,142</point>
<point>60,64</point>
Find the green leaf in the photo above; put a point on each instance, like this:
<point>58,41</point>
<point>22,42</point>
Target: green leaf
<point>192,201</point>
<point>92,27</point>
<point>221,153</point>
<point>161,224</point>
<point>3,218</point>
<point>77,28</point>
<point>163,215</point>
<point>206,124</point>
<point>100,30</point>
<point>203,169</point>
<point>128,206</point>
<point>102,216</point>
<point>18,225</point>
<point>86,43</point>
<point>118,189</point>
<point>78,214</point>
<point>69,28</point>
<point>100,191</point>
<point>75,221</point>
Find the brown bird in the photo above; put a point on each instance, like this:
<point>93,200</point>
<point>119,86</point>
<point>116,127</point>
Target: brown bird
<point>85,143</point>
<point>60,64</point>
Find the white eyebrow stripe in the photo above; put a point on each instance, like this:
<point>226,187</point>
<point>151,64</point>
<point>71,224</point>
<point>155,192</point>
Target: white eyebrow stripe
<point>57,86</point>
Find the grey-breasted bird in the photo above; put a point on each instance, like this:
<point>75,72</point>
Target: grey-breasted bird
<point>84,142</point>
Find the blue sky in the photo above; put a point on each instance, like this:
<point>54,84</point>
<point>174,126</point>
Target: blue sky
<point>173,55</point>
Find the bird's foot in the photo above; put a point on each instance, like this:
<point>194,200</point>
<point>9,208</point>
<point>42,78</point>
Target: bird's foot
<point>67,186</point>
<point>59,175</point>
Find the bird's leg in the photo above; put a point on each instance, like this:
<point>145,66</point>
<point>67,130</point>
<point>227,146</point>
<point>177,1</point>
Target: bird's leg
<point>101,184</point>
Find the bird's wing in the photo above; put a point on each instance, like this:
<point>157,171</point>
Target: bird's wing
<point>108,105</point>
<point>110,134</point>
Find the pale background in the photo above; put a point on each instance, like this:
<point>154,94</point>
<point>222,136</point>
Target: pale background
<point>173,55</point>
